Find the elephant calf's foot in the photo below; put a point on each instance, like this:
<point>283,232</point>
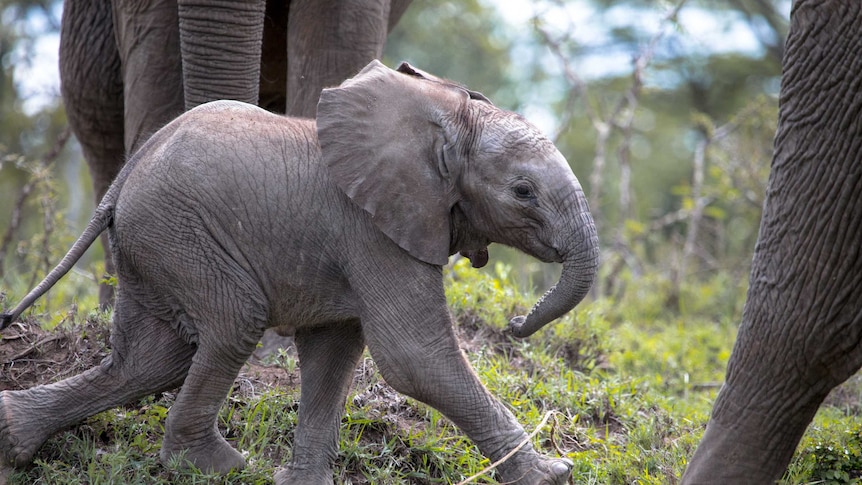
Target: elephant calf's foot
<point>295,475</point>
<point>214,455</point>
<point>534,469</point>
<point>20,436</point>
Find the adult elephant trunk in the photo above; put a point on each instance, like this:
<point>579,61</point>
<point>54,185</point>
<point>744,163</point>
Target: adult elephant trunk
<point>221,47</point>
<point>580,265</point>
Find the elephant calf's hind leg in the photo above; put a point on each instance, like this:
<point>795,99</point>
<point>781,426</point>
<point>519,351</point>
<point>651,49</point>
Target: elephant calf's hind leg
<point>191,431</point>
<point>147,357</point>
<point>328,356</point>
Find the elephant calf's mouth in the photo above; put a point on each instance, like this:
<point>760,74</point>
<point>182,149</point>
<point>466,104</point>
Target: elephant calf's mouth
<point>478,257</point>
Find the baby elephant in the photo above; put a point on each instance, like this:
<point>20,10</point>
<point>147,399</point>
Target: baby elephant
<point>232,220</point>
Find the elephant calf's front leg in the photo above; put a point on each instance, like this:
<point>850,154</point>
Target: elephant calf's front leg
<point>442,378</point>
<point>415,347</point>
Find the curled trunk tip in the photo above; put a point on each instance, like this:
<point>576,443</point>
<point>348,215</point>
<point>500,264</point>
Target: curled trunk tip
<point>579,273</point>
<point>516,325</point>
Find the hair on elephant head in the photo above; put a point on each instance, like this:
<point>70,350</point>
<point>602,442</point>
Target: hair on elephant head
<point>441,169</point>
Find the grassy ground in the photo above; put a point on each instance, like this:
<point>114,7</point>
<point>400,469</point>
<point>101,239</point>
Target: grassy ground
<point>626,387</point>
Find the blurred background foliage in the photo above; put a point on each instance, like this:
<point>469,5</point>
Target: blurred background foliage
<point>665,110</point>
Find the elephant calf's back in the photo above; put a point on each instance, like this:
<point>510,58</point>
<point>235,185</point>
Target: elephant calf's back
<point>229,194</point>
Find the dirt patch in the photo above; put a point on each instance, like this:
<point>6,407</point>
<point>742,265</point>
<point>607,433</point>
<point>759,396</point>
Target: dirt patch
<point>254,378</point>
<point>30,355</point>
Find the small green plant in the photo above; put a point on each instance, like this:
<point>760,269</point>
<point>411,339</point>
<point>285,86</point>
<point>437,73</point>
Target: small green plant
<point>283,358</point>
<point>830,453</point>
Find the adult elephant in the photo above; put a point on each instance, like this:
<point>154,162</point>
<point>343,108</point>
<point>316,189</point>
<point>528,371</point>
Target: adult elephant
<point>801,333</point>
<point>130,66</point>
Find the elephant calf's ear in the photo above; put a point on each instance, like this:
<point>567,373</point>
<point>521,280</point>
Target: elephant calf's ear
<point>379,140</point>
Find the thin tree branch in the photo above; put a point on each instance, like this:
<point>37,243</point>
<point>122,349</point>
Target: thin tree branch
<point>47,160</point>
<point>698,176</point>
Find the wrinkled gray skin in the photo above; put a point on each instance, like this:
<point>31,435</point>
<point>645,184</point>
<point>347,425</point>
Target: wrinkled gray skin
<point>231,220</point>
<point>128,67</point>
<point>801,333</point>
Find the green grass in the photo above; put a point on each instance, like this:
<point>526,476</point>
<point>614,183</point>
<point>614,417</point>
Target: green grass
<point>630,384</point>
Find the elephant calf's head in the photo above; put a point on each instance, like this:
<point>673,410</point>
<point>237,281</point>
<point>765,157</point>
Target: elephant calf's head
<point>441,169</point>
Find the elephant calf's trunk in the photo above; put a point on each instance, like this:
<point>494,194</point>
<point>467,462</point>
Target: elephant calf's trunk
<point>579,272</point>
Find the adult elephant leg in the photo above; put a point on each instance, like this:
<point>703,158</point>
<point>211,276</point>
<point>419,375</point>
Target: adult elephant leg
<point>92,89</point>
<point>328,357</point>
<point>221,49</point>
<point>409,332</point>
<point>327,42</point>
<point>148,39</point>
<point>801,333</point>
<point>147,356</point>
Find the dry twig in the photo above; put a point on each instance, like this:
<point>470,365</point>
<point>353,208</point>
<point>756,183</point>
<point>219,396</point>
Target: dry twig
<point>511,453</point>
<point>35,346</point>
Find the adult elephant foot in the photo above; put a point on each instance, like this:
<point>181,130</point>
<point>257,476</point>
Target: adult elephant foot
<point>19,437</point>
<point>212,454</point>
<point>533,469</point>
<point>295,476</point>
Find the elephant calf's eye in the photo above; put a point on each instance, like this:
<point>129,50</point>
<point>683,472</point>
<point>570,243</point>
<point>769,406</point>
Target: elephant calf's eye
<point>524,191</point>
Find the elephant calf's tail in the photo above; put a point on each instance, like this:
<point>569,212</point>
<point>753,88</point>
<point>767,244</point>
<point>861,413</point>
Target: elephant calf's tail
<point>101,220</point>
